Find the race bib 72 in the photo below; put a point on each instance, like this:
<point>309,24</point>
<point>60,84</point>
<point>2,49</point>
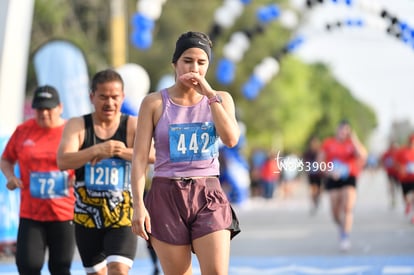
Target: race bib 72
<point>49,185</point>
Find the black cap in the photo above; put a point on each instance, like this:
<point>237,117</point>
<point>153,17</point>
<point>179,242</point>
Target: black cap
<point>45,97</point>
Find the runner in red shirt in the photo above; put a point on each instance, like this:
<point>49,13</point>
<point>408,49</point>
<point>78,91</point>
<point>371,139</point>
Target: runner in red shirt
<point>388,163</point>
<point>47,199</point>
<point>346,155</point>
<point>269,176</point>
<point>405,169</point>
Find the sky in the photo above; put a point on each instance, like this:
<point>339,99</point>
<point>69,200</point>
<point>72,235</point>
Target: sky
<point>376,66</point>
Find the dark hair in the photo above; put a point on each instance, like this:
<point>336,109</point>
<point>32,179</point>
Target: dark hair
<point>343,122</point>
<point>192,40</point>
<point>104,76</point>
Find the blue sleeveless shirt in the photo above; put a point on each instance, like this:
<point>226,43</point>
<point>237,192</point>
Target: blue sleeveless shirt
<point>185,140</point>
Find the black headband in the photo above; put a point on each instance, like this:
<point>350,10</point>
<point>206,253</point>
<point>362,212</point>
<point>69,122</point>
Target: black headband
<point>190,42</point>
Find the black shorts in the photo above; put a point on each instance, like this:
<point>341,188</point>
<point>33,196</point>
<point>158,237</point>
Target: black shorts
<point>98,247</point>
<point>407,187</point>
<point>331,183</point>
<point>315,179</point>
<point>393,179</point>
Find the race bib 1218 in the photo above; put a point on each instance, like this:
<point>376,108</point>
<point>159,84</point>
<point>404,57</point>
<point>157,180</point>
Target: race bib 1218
<point>108,174</point>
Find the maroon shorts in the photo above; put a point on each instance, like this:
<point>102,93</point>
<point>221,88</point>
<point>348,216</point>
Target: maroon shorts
<point>182,210</point>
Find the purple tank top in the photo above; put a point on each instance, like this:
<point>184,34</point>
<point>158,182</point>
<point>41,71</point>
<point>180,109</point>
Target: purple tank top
<point>185,140</point>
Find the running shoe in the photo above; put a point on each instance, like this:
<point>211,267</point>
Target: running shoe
<point>345,244</point>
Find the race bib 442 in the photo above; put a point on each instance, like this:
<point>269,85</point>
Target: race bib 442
<point>192,141</point>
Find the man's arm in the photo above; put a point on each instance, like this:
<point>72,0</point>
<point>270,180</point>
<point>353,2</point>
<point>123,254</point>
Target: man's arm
<point>7,167</point>
<point>68,155</point>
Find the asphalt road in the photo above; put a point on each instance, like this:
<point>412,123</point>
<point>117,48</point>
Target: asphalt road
<point>285,227</point>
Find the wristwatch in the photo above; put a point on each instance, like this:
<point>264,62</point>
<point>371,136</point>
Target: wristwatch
<point>217,98</point>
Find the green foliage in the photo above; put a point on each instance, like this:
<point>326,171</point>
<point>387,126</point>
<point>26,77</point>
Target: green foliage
<point>302,100</point>
<point>338,103</point>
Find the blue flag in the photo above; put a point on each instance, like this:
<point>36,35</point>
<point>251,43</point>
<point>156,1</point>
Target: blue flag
<point>62,65</point>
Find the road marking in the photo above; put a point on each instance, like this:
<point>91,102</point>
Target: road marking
<point>319,265</point>
<point>398,269</point>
